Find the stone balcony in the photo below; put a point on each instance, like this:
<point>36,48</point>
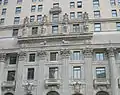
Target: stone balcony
<point>56,9</point>
<point>101,82</point>
<point>52,83</point>
<point>8,85</point>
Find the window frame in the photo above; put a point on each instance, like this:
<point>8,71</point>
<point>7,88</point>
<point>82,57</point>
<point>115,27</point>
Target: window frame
<point>97,13</point>
<point>72,15</point>
<point>77,72</point>
<point>30,73</point>
<point>54,70</point>
<point>72,4</point>
<point>114,13</point>
<point>33,8</point>
<point>16,20</point>
<point>32,57</point>
<point>55,29</point>
<point>18,10</point>
<point>97,29</point>
<point>11,75</point>
<point>98,69</point>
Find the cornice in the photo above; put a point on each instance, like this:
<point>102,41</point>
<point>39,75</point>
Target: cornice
<point>60,22</point>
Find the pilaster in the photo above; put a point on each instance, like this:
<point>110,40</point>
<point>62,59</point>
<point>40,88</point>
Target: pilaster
<point>40,71</point>
<point>88,70</point>
<point>113,70</point>
<point>19,73</point>
<point>65,54</point>
<point>2,64</point>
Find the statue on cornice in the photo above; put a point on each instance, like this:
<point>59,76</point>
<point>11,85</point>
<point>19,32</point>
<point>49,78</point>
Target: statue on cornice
<point>85,21</point>
<point>44,19</point>
<point>25,28</point>
<point>65,22</point>
<point>43,27</point>
<point>26,21</point>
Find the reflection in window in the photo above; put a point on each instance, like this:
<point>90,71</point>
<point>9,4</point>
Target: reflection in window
<point>99,56</point>
<point>11,76</point>
<point>53,72</point>
<point>76,72</point>
<point>100,72</point>
<point>76,55</point>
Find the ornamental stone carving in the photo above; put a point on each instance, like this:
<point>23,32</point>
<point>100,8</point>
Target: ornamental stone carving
<point>26,21</point>
<point>65,52</point>
<point>88,52</point>
<point>111,51</point>
<point>2,57</point>
<point>85,21</point>
<point>42,53</point>
<point>22,56</point>
<point>65,22</point>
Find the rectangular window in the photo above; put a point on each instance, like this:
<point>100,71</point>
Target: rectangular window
<point>97,27</point>
<point>76,72</point>
<point>19,1</point>
<point>53,72</point>
<point>95,3</point>
<point>18,10</point>
<point>33,7</point>
<point>114,13</point>
<point>13,59</point>
<point>16,20</point>
<point>96,13</point>
<point>32,57</point>
<point>100,72</point>
<point>112,2</point>
<point>72,4</point>
<point>11,75</point>
<point>118,2</point>
<point>55,29</point>
<point>55,4</point>
<point>34,0</point>
<point>30,75</point>
<point>0,2</point>
<point>118,26</point>
<point>5,2</point>
<point>55,17</point>
<point>72,15</point>
<point>79,15</point>
<point>53,56</point>
<point>76,55</point>
<point>79,4</point>
<point>4,11</point>
<point>2,20</point>
<point>15,33</point>
<point>76,28</point>
<point>99,56</point>
<point>32,18</point>
<point>40,7</point>
<point>34,30</point>
<point>39,18</point>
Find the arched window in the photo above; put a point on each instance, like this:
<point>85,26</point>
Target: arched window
<point>102,93</point>
<point>52,93</point>
<point>8,93</point>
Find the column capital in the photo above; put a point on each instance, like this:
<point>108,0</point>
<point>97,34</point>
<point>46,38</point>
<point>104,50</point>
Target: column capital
<point>22,55</point>
<point>2,57</point>
<point>87,52</point>
<point>111,51</point>
<point>65,52</point>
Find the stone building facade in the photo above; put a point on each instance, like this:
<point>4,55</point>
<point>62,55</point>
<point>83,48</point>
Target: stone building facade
<point>45,49</point>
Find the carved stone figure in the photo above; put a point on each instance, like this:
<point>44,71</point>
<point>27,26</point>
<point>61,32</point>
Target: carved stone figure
<point>85,21</point>
<point>26,21</point>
